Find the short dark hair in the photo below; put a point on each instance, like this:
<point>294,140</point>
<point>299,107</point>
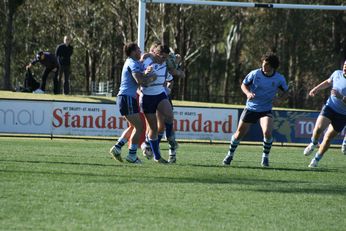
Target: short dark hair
<point>129,47</point>
<point>272,59</point>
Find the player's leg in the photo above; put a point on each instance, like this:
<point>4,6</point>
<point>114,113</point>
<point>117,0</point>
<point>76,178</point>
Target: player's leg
<point>160,125</point>
<point>242,129</point>
<point>327,138</point>
<point>343,146</point>
<point>321,124</point>
<point>246,119</point>
<point>123,139</point>
<point>165,108</point>
<point>145,146</point>
<point>166,113</point>
<point>149,105</point>
<point>136,123</point>
<point>266,124</point>
<point>337,124</point>
<point>128,108</point>
<point>153,138</point>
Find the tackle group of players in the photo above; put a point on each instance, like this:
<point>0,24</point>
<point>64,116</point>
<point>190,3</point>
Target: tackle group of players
<point>149,78</point>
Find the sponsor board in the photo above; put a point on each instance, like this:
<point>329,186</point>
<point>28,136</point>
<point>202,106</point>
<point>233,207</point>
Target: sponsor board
<point>29,117</point>
<point>291,127</point>
<point>90,119</point>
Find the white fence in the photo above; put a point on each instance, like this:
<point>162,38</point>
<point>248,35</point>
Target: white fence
<point>102,88</point>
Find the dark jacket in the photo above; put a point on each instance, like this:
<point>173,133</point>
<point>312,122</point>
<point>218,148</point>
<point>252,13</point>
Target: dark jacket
<point>49,60</point>
<point>63,54</point>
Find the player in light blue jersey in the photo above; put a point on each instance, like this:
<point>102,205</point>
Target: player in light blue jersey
<point>332,115</point>
<point>260,87</point>
<point>133,75</point>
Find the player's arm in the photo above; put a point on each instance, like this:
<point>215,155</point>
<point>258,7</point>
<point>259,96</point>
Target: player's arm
<point>172,66</point>
<point>145,78</point>
<point>169,86</point>
<point>325,84</point>
<point>246,90</point>
<point>145,56</point>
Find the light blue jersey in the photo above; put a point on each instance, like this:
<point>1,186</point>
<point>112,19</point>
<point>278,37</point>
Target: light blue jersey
<point>128,85</point>
<point>265,89</point>
<point>339,83</point>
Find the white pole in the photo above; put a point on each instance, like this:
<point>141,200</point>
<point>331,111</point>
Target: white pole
<point>141,23</point>
<point>250,4</point>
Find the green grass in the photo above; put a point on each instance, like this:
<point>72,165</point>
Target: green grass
<point>74,185</point>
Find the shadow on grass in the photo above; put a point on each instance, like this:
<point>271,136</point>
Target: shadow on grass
<point>251,183</point>
<point>262,168</point>
<point>115,163</point>
<point>254,185</point>
<point>242,184</point>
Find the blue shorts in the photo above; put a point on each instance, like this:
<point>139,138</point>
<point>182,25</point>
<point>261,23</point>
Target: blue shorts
<point>248,116</point>
<point>151,102</point>
<point>127,105</point>
<point>338,120</point>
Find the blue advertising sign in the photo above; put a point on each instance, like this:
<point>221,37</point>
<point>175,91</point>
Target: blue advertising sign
<point>290,127</point>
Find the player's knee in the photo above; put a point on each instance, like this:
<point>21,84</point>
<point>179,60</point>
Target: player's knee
<point>267,135</point>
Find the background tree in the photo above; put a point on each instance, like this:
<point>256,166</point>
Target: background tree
<point>10,8</point>
<point>219,45</point>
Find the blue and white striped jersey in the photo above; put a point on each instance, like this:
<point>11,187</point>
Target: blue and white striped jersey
<point>158,86</point>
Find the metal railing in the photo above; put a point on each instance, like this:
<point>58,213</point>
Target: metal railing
<point>102,88</point>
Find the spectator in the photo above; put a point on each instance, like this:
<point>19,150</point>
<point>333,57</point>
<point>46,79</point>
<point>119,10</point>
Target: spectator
<point>50,63</point>
<point>63,53</point>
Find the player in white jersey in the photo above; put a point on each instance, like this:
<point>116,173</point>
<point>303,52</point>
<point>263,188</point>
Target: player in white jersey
<point>155,99</point>
<point>332,116</point>
<point>172,61</point>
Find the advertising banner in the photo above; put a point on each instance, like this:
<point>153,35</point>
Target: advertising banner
<point>205,123</point>
<point>28,117</point>
<point>291,127</point>
<point>92,119</point>
<point>197,123</point>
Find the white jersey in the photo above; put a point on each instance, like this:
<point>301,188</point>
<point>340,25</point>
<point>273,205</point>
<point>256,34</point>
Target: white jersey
<point>158,86</point>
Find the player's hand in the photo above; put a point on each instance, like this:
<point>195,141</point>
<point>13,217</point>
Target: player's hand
<point>313,92</point>
<point>148,70</point>
<point>250,95</point>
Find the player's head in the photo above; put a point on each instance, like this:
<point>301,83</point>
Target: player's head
<point>344,68</point>
<point>162,51</point>
<point>270,62</point>
<point>154,45</point>
<point>132,50</point>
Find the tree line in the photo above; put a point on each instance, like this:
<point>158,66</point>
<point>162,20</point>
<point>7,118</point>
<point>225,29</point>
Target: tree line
<point>219,45</point>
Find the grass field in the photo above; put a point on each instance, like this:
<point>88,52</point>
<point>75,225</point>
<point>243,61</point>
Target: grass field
<point>74,185</point>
